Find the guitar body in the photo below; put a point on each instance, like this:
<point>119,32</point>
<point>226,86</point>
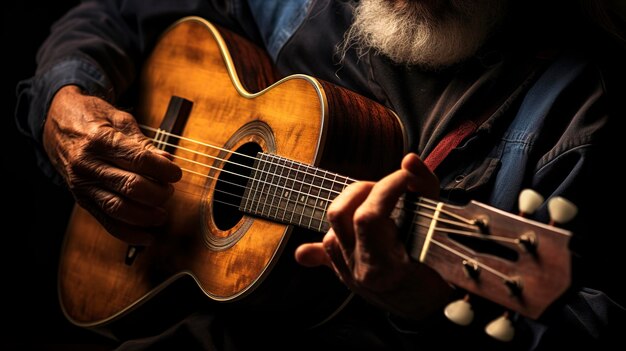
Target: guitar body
<point>231,257</point>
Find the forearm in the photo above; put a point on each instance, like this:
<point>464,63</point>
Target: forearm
<point>98,46</point>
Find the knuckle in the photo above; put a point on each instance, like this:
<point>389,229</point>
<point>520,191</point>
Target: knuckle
<point>367,278</point>
<point>120,119</point>
<point>333,213</point>
<point>146,144</point>
<point>130,185</point>
<point>75,175</point>
<point>111,205</point>
<point>364,217</point>
<point>73,182</point>
<point>138,157</point>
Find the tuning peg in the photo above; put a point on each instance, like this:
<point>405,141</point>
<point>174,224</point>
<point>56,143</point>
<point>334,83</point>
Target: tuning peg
<point>528,201</point>
<point>561,210</point>
<point>501,328</point>
<point>460,311</point>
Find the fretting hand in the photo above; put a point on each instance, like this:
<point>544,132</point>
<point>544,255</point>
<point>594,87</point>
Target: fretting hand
<point>364,249</point>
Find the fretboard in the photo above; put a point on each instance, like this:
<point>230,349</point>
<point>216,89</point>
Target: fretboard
<point>291,192</point>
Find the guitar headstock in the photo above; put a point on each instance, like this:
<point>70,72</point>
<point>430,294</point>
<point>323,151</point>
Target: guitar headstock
<point>513,261</point>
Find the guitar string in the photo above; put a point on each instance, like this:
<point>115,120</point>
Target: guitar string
<point>318,197</point>
<point>320,188</point>
<point>302,215</point>
<point>160,142</point>
<point>467,257</point>
<point>162,132</point>
<point>470,234</point>
<point>423,215</point>
<point>296,181</point>
<point>435,253</point>
<point>457,253</point>
<point>467,223</point>
<point>422,235</point>
<point>322,209</point>
<point>236,196</point>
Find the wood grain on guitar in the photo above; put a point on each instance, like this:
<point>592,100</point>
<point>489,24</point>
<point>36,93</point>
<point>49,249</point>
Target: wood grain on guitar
<point>262,159</point>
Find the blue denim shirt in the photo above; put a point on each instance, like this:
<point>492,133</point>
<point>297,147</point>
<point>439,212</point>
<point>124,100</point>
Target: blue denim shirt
<point>552,131</point>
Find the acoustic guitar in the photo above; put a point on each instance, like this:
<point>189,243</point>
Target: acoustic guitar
<point>262,158</point>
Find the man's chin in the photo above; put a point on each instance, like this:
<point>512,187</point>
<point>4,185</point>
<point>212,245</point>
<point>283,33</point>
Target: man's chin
<point>432,41</point>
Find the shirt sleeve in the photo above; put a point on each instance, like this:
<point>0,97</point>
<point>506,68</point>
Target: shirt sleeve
<point>98,46</point>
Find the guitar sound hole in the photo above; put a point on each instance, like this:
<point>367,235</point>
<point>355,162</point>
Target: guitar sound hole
<point>485,246</point>
<point>231,185</point>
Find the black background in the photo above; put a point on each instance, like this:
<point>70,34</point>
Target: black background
<point>34,211</point>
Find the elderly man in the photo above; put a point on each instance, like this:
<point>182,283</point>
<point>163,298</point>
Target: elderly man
<point>494,97</point>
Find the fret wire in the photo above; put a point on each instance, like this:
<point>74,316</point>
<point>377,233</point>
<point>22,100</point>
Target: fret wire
<point>308,169</point>
<point>276,187</point>
<point>268,186</point>
<point>283,182</point>
<point>286,222</point>
<point>299,191</point>
<point>289,190</point>
<point>263,182</point>
<point>307,202</point>
<point>271,173</point>
<point>303,199</point>
<point>302,180</point>
<point>327,203</point>
<point>296,196</point>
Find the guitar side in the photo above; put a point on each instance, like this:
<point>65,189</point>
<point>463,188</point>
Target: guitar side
<point>244,260</point>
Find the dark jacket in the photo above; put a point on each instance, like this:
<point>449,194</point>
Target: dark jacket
<point>548,112</point>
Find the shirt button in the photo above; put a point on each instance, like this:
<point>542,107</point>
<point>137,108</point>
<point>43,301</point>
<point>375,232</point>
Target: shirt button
<point>459,178</point>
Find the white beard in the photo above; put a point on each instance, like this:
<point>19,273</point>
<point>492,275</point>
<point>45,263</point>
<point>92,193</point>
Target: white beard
<point>431,34</point>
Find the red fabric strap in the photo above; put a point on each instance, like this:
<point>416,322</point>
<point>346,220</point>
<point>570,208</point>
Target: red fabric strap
<point>449,142</point>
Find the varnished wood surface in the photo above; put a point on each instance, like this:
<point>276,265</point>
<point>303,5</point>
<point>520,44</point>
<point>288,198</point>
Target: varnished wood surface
<point>544,273</point>
<point>298,118</point>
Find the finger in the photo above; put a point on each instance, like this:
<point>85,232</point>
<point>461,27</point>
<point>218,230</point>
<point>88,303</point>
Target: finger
<point>425,182</point>
<point>127,124</point>
<point>134,152</point>
<point>130,185</point>
<point>413,176</point>
<point>312,255</point>
<point>340,213</point>
<point>340,264</point>
<point>374,229</point>
<point>115,207</point>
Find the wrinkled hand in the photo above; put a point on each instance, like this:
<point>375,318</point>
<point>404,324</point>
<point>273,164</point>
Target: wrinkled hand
<point>364,249</point>
<point>112,169</point>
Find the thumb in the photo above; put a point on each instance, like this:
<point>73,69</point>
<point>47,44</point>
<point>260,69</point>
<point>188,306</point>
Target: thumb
<point>425,182</point>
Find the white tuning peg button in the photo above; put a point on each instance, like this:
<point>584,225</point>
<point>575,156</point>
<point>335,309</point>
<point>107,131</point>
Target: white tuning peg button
<point>501,328</point>
<point>529,200</point>
<point>460,312</point>
<point>561,210</point>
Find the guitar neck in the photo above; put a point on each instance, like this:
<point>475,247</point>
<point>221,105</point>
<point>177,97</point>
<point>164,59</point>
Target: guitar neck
<point>291,192</point>
<point>295,193</point>
<point>516,262</point>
